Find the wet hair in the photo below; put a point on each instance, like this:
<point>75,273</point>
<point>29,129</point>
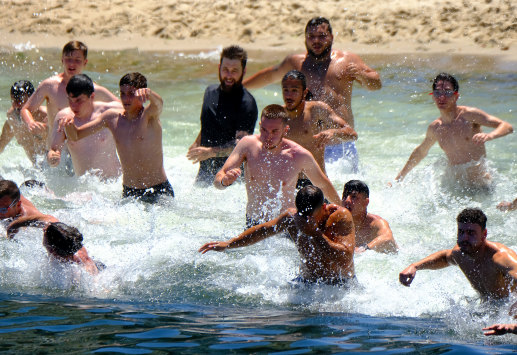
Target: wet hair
<point>355,186</point>
<point>62,239</point>
<point>446,77</point>
<point>20,89</point>
<point>80,84</point>
<point>316,21</point>
<point>274,112</point>
<point>235,52</point>
<point>136,80</point>
<point>308,199</point>
<point>472,215</point>
<point>33,183</point>
<point>296,75</point>
<point>75,46</point>
<point>9,188</point>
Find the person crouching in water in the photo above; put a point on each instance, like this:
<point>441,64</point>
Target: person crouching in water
<point>65,244</point>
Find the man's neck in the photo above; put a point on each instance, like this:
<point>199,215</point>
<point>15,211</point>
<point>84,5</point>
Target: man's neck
<point>449,115</point>
<point>134,114</point>
<point>86,116</point>
<point>323,60</point>
<point>297,112</point>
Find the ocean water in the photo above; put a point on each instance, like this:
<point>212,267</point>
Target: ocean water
<point>159,295</point>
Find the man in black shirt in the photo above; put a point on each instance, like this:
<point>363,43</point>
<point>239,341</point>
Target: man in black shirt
<point>229,113</point>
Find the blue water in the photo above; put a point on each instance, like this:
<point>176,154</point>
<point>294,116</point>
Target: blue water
<point>159,295</point>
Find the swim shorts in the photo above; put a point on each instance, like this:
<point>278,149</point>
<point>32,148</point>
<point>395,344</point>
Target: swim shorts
<point>338,281</point>
<point>150,194</point>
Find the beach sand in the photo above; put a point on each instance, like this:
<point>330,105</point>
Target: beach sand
<point>363,26</point>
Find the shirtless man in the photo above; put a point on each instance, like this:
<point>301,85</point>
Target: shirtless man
<point>272,166</point>
<point>330,76</point>
<point>17,209</point>
<point>458,132</point>
<point>312,124</point>
<point>323,234</point>
<point>95,154</point>
<point>34,145</point>
<point>490,267</point>
<point>371,231</point>
<point>138,135</point>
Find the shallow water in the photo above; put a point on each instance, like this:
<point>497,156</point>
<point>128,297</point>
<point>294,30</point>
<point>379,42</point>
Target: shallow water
<point>158,294</point>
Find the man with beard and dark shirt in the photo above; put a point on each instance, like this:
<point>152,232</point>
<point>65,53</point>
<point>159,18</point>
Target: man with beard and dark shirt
<point>229,113</point>
<point>330,76</point>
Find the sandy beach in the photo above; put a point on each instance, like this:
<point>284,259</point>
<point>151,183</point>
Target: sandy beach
<point>366,26</point>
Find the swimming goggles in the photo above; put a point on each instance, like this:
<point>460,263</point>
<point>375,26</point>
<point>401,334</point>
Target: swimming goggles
<point>5,209</point>
<point>446,93</point>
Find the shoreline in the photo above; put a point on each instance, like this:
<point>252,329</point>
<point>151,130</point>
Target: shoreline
<point>259,50</point>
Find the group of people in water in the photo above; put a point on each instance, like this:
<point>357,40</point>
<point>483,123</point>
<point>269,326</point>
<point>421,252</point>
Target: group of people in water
<point>84,128</point>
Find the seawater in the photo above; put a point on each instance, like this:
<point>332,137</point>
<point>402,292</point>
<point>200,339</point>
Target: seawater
<point>158,294</point>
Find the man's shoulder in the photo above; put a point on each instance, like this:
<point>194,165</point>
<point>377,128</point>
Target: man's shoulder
<point>64,112</point>
<point>338,214</point>
<point>502,253</point>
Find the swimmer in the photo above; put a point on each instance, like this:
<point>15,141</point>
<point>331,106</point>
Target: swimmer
<point>96,154</point>
<point>272,166</point>
<point>138,135</point>
<point>17,209</point>
<point>490,267</point>
<point>312,124</point>
<point>330,76</point>
<point>34,145</point>
<point>322,233</point>
<point>64,243</point>
<point>508,206</point>
<point>372,232</point>
<point>229,113</point>
<point>53,90</point>
<point>458,132</point>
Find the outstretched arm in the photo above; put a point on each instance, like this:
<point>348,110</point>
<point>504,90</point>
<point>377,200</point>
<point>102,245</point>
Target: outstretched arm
<point>318,178</point>
<point>252,235</point>
<point>36,220</point>
<point>507,206</point>
<point>269,75</point>
<point>418,154</point>
<point>438,260</point>
<point>197,153</point>
<point>75,133</point>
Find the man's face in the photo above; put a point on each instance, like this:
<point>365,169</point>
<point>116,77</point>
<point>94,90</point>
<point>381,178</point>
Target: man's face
<point>80,105</point>
<point>230,73</point>
<point>318,41</point>
<point>19,101</point>
<point>272,132</point>
<point>292,91</point>
<point>9,207</point>
<point>73,62</point>
<point>470,237</point>
<point>444,95</point>
<point>128,98</point>
<point>356,202</point>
